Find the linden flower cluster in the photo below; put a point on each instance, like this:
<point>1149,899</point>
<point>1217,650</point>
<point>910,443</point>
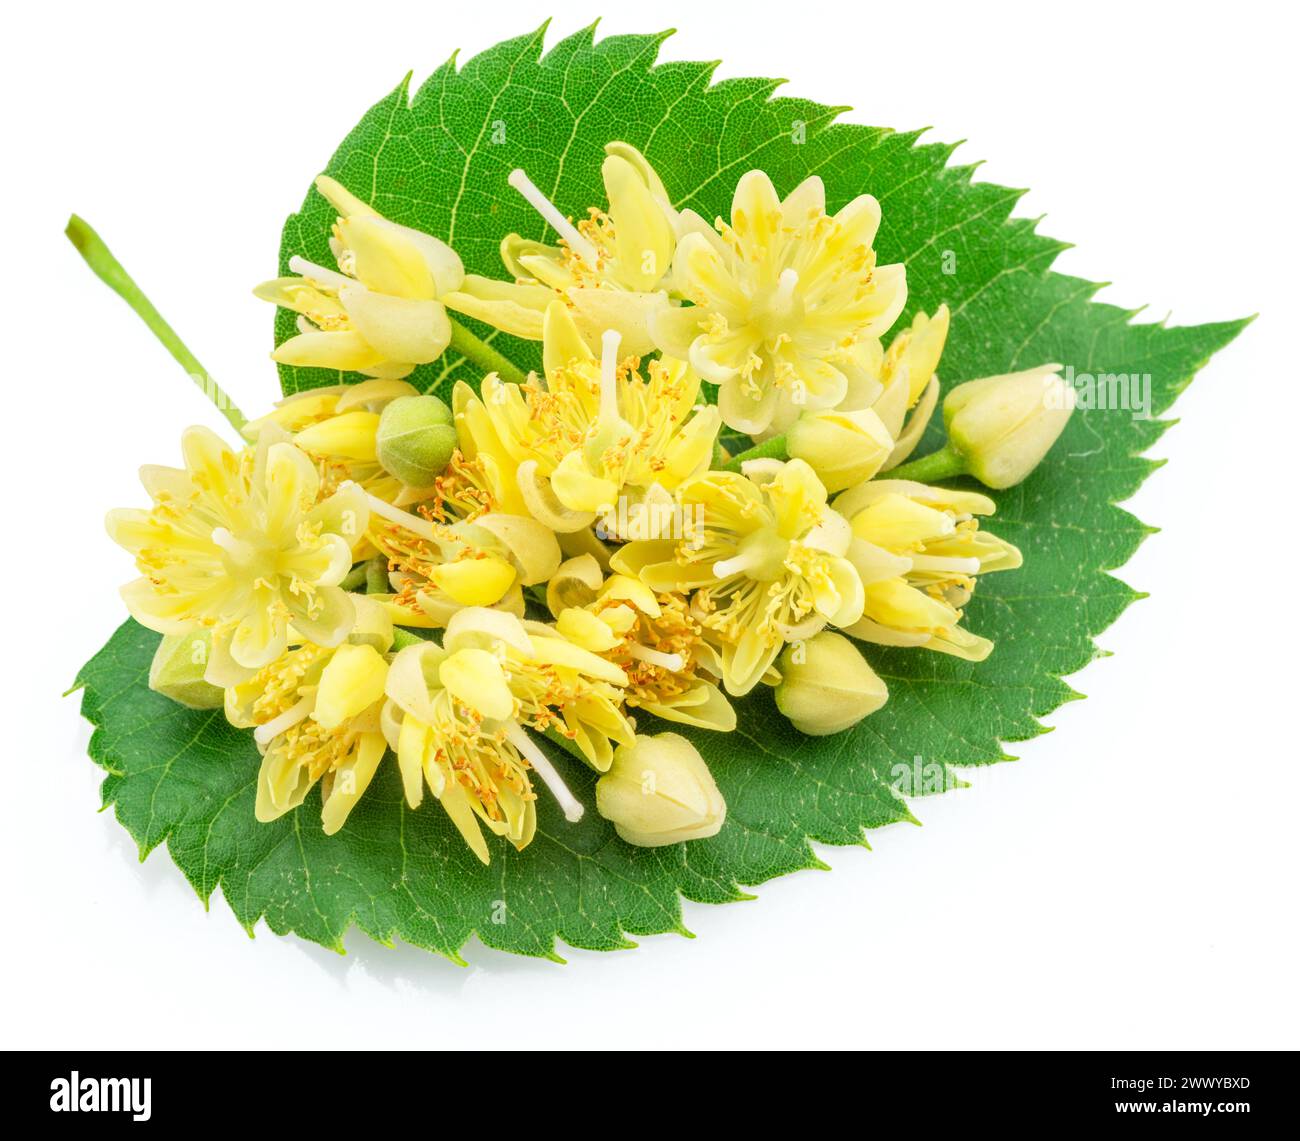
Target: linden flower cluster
<point>560,561</point>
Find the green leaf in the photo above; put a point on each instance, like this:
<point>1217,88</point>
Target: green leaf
<point>433,161</point>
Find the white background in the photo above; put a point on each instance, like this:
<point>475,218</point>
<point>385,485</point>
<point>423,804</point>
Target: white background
<point>1130,882</point>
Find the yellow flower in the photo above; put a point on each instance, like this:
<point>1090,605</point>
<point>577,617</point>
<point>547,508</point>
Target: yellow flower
<point>595,441</point>
<point>456,718</point>
<point>465,747</point>
<point>918,551</point>
<point>767,564</point>
<point>338,428</point>
<point>570,691</point>
<point>438,567</point>
<point>781,298</point>
<point>315,715</point>
<point>900,381</point>
<point>671,671</point>
<point>871,431</point>
<point>381,313</point>
<point>610,268</point>
<point>239,543</point>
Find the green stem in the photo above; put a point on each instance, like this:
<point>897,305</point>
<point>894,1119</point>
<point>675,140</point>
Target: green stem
<point>111,272</point>
<point>482,354</point>
<point>773,449</point>
<point>377,576</point>
<point>943,464</point>
<point>355,578</point>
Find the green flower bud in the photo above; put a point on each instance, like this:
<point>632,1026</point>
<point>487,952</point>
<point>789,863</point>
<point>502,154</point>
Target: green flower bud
<point>843,448</point>
<point>177,670</point>
<point>659,791</point>
<point>416,438</point>
<point>826,685</point>
<point>1004,425</point>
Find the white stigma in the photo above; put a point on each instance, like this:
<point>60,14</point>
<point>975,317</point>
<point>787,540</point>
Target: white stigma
<point>671,662</point>
<point>737,564</point>
<point>573,809</point>
<point>413,523</point>
<point>785,290</point>
<point>557,221</point>
<point>237,549</point>
<point>609,343</point>
<point>265,734</point>
<point>309,269</point>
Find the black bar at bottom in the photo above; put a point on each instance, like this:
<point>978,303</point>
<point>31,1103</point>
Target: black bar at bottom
<point>385,1092</point>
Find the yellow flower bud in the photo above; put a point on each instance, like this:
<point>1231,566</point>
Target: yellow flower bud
<point>843,448</point>
<point>416,438</point>
<point>659,791</point>
<point>177,670</point>
<point>826,685</point>
<point>1004,425</point>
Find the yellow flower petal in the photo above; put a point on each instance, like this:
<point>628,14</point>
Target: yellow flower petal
<point>399,329</point>
<point>578,489</point>
<point>475,678</point>
<point>559,652</point>
<point>897,522</point>
<point>586,630</point>
<point>352,680</point>
<point>349,436</point>
<point>892,602</point>
<point>384,260</point>
<point>412,743</point>
<point>350,779</point>
<point>346,351</point>
<point>474,582</point>
<point>643,236</point>
<point>292,484</point>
